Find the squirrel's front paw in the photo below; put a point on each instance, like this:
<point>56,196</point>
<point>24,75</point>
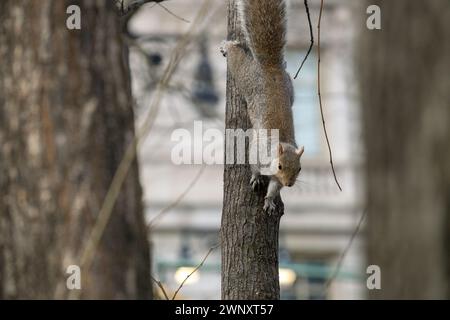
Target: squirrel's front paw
<point>257,183</point>
<point>269,206</point>
<point>225,46</point>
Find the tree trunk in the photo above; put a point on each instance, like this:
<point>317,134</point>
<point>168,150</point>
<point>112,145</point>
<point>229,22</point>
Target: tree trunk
<point>65,120</point>
<point>405,97</point>
<point>249,236</point>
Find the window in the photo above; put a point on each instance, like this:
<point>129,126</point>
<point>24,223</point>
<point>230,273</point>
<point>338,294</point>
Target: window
<point>306,104</point>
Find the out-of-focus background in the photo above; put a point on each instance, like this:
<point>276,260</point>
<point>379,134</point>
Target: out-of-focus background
<point>319,219</point>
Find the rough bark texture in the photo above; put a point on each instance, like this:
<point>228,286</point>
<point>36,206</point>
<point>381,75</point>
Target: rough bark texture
<point>65,120</point>
<point>249,236</point>
<point>405,98</point>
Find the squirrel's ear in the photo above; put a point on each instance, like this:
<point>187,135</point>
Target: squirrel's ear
<point>280,149</point>
<point>300,151</point>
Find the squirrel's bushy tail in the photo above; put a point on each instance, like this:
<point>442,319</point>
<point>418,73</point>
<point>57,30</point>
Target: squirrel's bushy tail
<point>264,24</point>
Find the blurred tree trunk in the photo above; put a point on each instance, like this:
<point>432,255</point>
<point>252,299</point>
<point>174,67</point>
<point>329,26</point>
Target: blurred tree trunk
<point>405,96</point>
<point>249,236</point>
<point>65,120</point>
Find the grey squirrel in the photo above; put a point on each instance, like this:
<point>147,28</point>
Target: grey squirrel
<point>258,69</point>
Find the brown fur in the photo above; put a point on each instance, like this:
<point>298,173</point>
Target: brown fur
<point>261,77</point>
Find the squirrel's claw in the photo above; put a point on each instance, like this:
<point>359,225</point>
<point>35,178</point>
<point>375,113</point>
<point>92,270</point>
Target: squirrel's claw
<point>257,183</point>
<point>269,206</point>
<point>225,46</point>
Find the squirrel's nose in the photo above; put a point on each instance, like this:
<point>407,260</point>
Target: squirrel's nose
<point>290,184</point>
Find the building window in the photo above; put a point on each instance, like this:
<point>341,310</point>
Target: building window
<point>306,105</point>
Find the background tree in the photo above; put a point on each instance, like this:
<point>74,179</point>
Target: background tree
<point>405,98</point>
<point>65,120</point>
<point>249,236</point>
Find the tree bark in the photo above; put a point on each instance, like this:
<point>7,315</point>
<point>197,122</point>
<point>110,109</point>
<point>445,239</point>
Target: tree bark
<point>249,236</point>
<point>405,97</point>
<point>65,120</point>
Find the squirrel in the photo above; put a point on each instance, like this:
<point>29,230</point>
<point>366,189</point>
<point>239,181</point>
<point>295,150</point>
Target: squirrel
<point>258,69</point>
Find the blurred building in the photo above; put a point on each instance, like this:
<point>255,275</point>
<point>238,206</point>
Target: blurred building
<point>186,200</point>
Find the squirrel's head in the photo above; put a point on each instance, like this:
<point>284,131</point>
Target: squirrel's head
<point>288,164</point>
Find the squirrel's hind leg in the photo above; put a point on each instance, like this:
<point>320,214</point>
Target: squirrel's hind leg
<point>241,65</point>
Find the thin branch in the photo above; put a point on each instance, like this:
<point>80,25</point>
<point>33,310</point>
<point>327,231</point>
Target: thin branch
<point>159,284</point>
<point>172,13</point>
<point>320,98</point>
<point>121,173</point>
<point>311,35</point>
<point>134,6</point>
<point>178,199</point>
<point>125,10</point>
<point>195,270</point>
<point>344,253</point>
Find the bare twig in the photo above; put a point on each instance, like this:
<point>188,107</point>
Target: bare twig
<point>172,13</point>
<point>311,34</point>
<point>320,99</point>
<point>127,9</point>
<point>337,269</point>
<point>178,199</point>
<point>195,270</point>
<point>130,154</point>
<point>159,284</point>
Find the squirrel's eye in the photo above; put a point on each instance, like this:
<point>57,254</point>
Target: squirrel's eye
<point>279,167</point>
